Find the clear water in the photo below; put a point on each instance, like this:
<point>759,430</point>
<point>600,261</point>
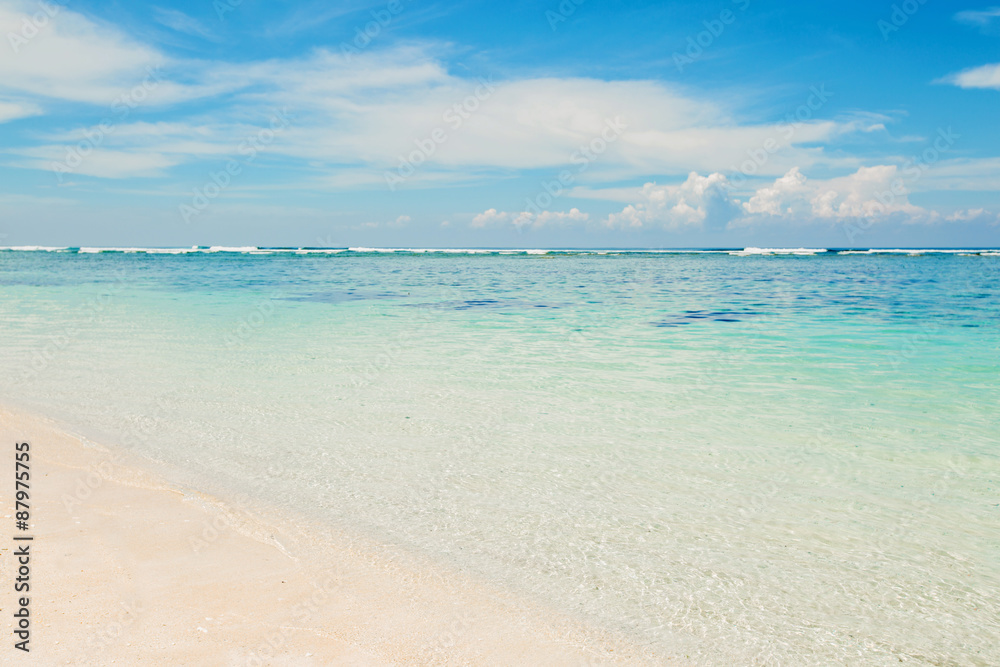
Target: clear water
<point>745,459</point>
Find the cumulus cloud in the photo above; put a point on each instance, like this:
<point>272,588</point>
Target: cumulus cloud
<point>493,218</point>
<point>698,201</point>
<point>778,199</point>
<point>709,201</point>
<point>490,218</point>
<point>974,215</point>
<point>871,191</point>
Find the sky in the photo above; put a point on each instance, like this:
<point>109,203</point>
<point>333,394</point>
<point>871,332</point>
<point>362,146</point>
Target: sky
<point>580,123</point>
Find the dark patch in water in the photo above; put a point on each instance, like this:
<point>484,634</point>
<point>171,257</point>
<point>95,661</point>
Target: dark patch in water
<point>469,304</point>
<point>32,282</point>
<point>477,303</point>
<point>495,303</point>
<point>693,316</point>
<point>341,297</point>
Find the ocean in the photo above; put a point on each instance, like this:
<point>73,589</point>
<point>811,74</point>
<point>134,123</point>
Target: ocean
<point>747,456</point>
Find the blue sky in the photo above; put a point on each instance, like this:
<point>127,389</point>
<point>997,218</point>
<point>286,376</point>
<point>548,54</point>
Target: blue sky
<point>528,124</point>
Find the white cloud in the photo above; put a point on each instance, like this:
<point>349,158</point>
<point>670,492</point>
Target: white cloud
<point>985,76</point>
<point>490,218</point>
<point>981,18</point>
<point>967,214</point>
<point>63,54</point>
<point>528,219</point>
<point>534,124</point>
<point>871,191</point>
<point>353,119</point>
<point>778,199</point>
<point>134,149</point>
<point>14,110</point>
<point>710,202</point>
<point>974,215</point>
<point>98,162</point>
<point>698,201</point>
<point>359,115</point>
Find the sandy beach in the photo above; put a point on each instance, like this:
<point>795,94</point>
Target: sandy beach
<point>129,569</point>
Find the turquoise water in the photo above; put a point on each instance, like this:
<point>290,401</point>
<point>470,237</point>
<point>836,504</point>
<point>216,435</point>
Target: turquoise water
<point>743,458</point>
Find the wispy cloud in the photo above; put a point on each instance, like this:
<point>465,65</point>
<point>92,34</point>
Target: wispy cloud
<point>70,57</point>
<point>101,163</point>
<point>985,76</point>
<point>12,110</point>
<point>181,22</point>
<point>982,18</point>
<point>317,14</point>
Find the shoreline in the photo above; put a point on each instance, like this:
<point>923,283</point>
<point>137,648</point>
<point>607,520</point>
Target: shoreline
<point>129,566</point>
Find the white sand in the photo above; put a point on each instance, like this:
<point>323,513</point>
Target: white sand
<point>128,569</point>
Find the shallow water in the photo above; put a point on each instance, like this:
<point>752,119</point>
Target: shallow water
<point>749,458</point>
